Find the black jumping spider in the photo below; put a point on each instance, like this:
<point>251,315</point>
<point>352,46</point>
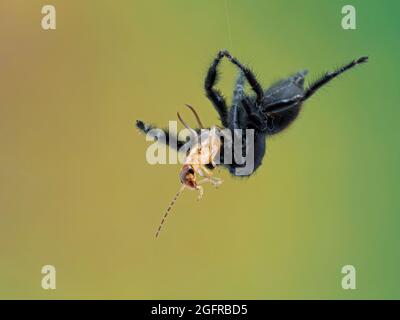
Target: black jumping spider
<point>267,112</point>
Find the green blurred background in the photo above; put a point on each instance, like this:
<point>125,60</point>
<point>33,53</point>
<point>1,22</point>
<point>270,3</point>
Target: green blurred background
<point>76,191</point>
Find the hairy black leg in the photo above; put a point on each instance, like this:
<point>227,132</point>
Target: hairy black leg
<point>285,105</point>
<point>238,91</point>
<point>250,77</point>
<point>235,112</point>
<point>234,118</point>
<point>331,75</point>
<point>213,94</point>
<point>170,139</point>
<point>249,106</point>
<point>254,117</point>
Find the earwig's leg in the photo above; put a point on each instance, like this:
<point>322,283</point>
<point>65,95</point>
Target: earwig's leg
<point>250,77</point>
<point>216,182</point>
<point>201,191</point>
<point>169,137</point>
<point>203,171</point>
<point>331,75</point>
<point>213,94</point>
<point>208,174</point>
<point>200,188</point>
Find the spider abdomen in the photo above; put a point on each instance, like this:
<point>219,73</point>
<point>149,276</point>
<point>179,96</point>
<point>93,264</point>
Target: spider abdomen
<point>284,120</point>
<point>285,90</point>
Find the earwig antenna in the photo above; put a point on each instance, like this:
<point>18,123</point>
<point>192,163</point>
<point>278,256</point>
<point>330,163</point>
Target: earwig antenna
<point>196,115</point>
<point>169,209</point>
<point>194,133</point>
<point>183,122</point>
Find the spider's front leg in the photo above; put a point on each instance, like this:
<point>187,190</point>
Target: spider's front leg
<point>213,94</point>
<point>170,139</point>
<point>236,111</point>
<point>238,91</point>
<point>250,77</point>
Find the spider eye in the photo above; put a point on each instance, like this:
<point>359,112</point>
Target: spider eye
<point>190,170</point>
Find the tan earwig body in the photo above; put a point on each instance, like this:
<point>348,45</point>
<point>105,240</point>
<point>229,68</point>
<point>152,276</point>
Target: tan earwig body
<point>200,154</point>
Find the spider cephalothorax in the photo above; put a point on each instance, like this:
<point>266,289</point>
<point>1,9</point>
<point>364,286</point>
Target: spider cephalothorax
<point>267,112</point>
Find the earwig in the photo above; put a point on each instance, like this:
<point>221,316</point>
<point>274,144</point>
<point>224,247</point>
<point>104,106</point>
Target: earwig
<point>192,165</point>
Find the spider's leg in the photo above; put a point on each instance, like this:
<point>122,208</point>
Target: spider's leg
<point>213,94</point>
<point>236,110</point>
<point>250,77</point>
<point>154,133</point>
<point>238,92</point>
<point>284,105</point>
<point>234,119</point>
<point>254,116</point>
<point>331,75</point>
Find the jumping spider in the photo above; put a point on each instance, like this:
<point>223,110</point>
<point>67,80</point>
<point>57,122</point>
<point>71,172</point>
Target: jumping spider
<point>268,112</point>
